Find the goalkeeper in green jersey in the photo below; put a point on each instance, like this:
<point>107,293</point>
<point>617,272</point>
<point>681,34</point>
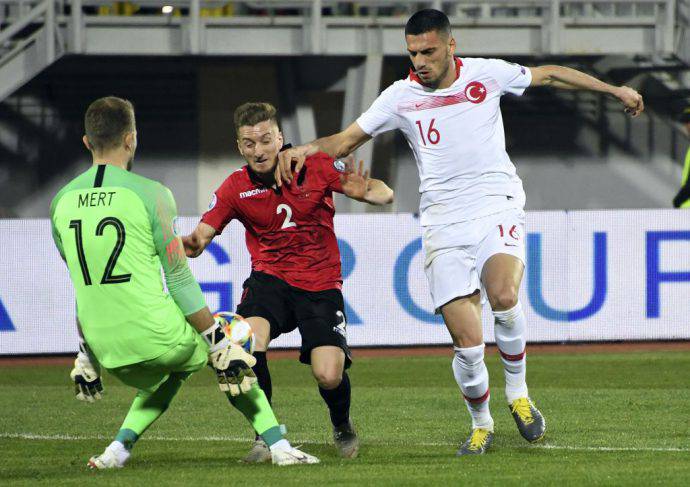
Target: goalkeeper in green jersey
<point>115,230</point>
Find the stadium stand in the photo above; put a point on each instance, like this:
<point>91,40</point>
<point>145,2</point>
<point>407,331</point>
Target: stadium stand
<point>337,56</point>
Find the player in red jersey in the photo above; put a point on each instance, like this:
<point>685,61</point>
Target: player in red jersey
<point>296,279</point>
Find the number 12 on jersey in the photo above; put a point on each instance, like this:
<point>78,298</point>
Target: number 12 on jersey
<point>432,135</point>
<point>108,276</point>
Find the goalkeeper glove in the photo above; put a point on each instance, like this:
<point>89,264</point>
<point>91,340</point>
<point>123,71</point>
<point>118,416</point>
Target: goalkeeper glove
<point>232,364</point>
<point>86,376</point>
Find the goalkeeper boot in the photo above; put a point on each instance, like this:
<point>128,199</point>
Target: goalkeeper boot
<point>479,441</point>
<point>260,453</point>
<point>114,456</point>
<point>529,420</point>
<point>292,456</point>
<point>346,440</point>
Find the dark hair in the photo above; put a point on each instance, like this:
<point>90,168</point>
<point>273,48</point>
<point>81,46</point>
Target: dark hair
<point>252,113</point>
<point>428,20</point>
<point>106,122</point>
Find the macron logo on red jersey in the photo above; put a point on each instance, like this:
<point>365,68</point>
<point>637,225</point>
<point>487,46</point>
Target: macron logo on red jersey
<point>252,192</point>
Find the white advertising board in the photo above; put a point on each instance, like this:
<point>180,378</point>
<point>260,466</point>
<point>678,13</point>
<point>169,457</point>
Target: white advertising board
<point>591,276</point>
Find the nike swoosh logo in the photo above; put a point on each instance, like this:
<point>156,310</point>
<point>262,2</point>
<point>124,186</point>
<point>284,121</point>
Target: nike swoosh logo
<point>417,105</point>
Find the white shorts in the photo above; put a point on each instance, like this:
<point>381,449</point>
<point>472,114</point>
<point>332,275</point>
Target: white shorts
<point>456,252</point>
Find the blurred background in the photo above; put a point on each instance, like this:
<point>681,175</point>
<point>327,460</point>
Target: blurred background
<point>187,64</point>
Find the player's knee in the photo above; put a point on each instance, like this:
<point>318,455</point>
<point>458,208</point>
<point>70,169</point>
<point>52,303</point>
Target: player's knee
<point>262,333</point>
<point>503,298</point>
<point>469,357</point>
<point>328,378</point>
<point>261,345</point>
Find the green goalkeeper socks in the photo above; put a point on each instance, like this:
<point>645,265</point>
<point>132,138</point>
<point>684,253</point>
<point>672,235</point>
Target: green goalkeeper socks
<point>127,437</point>
<point>255,407</point>
<point>148,407</point>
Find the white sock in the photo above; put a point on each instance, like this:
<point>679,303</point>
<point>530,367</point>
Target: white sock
<point>119,451</point>
<point>283,445</point>
<point>509,331</point>
<point>473,378</point>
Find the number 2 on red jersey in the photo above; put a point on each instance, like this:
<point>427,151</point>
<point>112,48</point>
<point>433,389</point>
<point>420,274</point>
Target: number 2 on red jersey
<point>287,223</point>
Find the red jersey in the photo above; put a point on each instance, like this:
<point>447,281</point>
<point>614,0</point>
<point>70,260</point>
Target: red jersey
<point>289,230</point>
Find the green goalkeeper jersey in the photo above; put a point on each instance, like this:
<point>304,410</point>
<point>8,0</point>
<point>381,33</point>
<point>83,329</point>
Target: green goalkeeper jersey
<point>115,230</point>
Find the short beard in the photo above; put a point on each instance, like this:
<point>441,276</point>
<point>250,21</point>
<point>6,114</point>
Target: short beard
<point>434,84</point>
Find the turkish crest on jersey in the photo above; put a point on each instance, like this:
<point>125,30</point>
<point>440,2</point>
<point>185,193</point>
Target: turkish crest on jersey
<point>475,92</point>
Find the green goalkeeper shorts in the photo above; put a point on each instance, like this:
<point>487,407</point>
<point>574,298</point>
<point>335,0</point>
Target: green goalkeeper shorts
<point>189,355</point>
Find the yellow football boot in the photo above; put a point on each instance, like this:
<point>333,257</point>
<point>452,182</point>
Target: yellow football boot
<point>529,420</point>
<point>478,442</point>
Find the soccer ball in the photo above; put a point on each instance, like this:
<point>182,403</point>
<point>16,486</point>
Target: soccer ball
<point>237,330</point>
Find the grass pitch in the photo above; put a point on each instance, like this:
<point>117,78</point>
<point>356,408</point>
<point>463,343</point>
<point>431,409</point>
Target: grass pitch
<point>613,419</point>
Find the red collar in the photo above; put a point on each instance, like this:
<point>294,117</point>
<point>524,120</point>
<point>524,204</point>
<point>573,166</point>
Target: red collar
<point>458,65</point>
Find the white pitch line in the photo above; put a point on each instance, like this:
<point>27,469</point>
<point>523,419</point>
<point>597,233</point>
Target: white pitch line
<point>32,436</point>
<point>609,448</point>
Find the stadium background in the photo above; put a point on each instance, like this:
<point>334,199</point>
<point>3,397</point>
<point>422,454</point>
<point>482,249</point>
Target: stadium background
<point>321,64</point>
<point>609,260</point>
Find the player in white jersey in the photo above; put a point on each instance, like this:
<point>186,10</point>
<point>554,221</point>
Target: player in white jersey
<point>471,200</point>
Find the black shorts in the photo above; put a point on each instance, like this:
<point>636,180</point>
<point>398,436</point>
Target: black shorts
<point>319,315</point>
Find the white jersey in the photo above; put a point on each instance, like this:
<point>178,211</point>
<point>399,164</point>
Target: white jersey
<point>456,135</point>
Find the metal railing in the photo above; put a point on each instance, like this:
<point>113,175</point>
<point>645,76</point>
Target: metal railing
<point>29,43</point>
<point>317,26</point>
<point>38,13</point>
<point>552,16</point>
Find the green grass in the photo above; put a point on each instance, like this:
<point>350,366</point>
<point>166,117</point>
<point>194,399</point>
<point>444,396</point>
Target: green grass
<point>620,419</point>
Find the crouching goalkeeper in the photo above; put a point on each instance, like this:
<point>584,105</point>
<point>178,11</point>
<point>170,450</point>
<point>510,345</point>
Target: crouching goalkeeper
<point>115,230</point>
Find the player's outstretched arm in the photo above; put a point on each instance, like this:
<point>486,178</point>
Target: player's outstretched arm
<point>201,320</point>
<point>572,79</point>
<point>198,240</point>
<point>182,286</point>
<point>357,185</point>
<point>336,145</point>
<point>378,193</point>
